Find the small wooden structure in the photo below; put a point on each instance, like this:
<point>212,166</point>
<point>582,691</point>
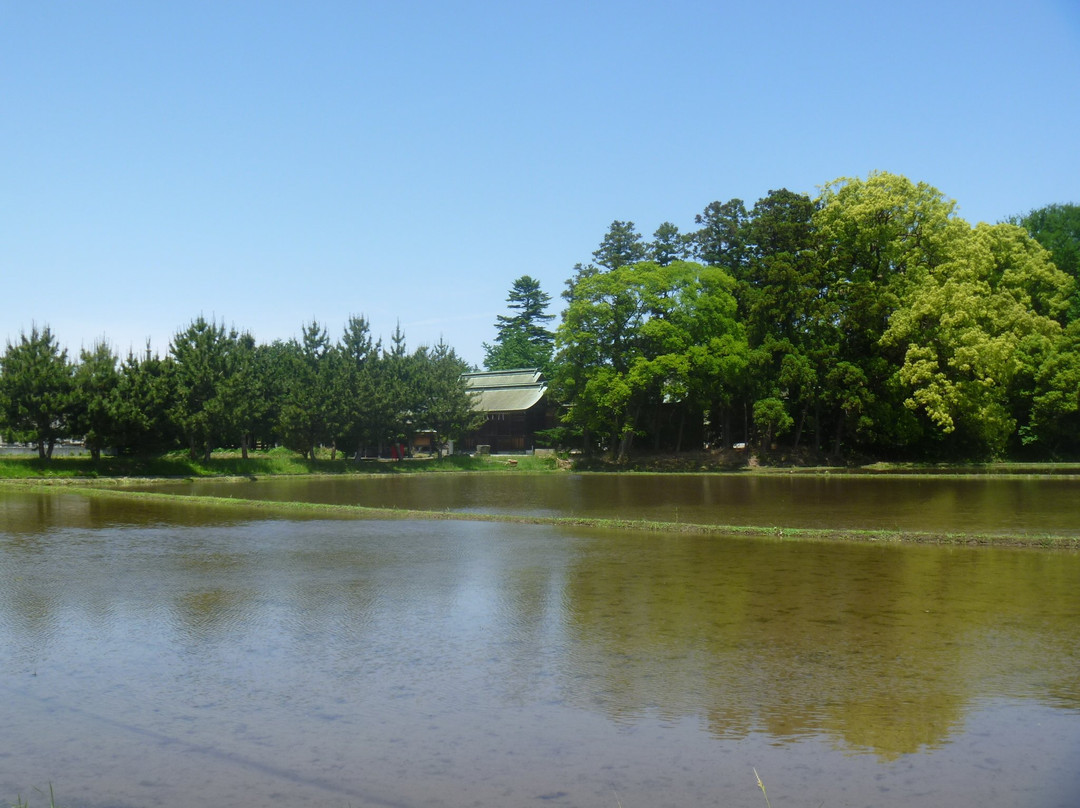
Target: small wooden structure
<point>515,406</point>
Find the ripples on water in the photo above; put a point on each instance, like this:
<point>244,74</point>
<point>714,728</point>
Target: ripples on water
<point>156,657</point>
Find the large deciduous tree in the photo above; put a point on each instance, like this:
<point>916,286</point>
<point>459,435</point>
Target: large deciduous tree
<point>642,339</point>
<point>975,332</point>
<point>878,239</point>
<point>1057,228</point>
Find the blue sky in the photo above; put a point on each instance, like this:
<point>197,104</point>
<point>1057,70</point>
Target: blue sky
<point>271,163</point>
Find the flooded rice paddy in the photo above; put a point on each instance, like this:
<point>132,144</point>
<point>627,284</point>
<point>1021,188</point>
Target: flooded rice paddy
<point>160,654</point>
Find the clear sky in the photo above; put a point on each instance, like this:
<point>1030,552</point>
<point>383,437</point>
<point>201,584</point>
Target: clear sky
<point>270,163</point>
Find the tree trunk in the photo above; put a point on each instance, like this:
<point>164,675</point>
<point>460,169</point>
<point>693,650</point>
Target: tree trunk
<point>839,435</point>
<point>799,428</point>
<point>817,428</point>
<point>244,445</point>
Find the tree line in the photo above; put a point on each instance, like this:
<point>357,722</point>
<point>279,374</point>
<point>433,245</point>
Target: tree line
<point>218,387</point>
<point>871,320</point>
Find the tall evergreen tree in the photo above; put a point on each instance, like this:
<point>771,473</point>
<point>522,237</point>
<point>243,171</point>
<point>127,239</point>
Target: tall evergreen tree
<point>204,357</point>
<point>442,402</point>
<point>96,380</point>
<point>669,245</point>
<point>143,403</point>
<point>310,413</point>
<point>523,339</point>
<point>621,247</point>
<point>36,390</point>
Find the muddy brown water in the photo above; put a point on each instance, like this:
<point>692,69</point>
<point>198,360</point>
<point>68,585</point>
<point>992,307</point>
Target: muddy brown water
<point>156,654</point>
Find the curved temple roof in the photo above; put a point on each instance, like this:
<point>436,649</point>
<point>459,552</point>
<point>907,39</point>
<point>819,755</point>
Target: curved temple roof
<point>506,390</point>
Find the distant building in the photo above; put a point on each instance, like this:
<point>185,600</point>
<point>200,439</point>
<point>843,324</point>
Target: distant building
<point>516,408</point>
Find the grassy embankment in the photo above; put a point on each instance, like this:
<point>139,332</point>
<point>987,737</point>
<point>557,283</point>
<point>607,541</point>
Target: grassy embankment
<point>277,462</point>
<point>274,462</point>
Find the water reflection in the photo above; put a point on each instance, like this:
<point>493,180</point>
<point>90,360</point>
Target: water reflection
<point>337,662</point>
<point>934,504</point>
<point>882,648</point>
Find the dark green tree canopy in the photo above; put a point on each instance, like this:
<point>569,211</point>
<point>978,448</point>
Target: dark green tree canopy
<point>870,321</point>
<point>621,247</point>
<point>36,390</point>
<point>523,339</point>
<point>721,239</point>
<point>529,304</point>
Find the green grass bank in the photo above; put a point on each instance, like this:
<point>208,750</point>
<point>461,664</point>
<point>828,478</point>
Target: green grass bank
<point>274,462</point>
<point>277,462</point>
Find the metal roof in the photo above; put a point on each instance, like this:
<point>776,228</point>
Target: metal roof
<point>506,390</point>
<point>502,378</point>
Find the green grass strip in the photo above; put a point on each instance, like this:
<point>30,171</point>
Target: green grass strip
<point>290,509</point>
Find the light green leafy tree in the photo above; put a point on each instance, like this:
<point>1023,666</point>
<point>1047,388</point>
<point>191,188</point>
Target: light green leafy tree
<point>1055,407</point>
<point>877,240</point>
<point>974,332</point>
<point>640,339</point>
<point>1057,228</point>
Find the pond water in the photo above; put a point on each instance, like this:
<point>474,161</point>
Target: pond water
<point>1009,506</point>
<point>157,654</point>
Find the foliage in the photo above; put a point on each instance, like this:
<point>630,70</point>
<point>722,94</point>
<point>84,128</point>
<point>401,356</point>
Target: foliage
<point>36,390</point>
<point>973,329</point>
<point>1057,228</point>
<point>142,405</point>
<point>869,321</point>
<point>523,341</point>
<point>96,383</point>
<point>204,359</point>
<point>311,414</point>
<point>641,340</point>
<point>444,404</point>
<point>621,247</point>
